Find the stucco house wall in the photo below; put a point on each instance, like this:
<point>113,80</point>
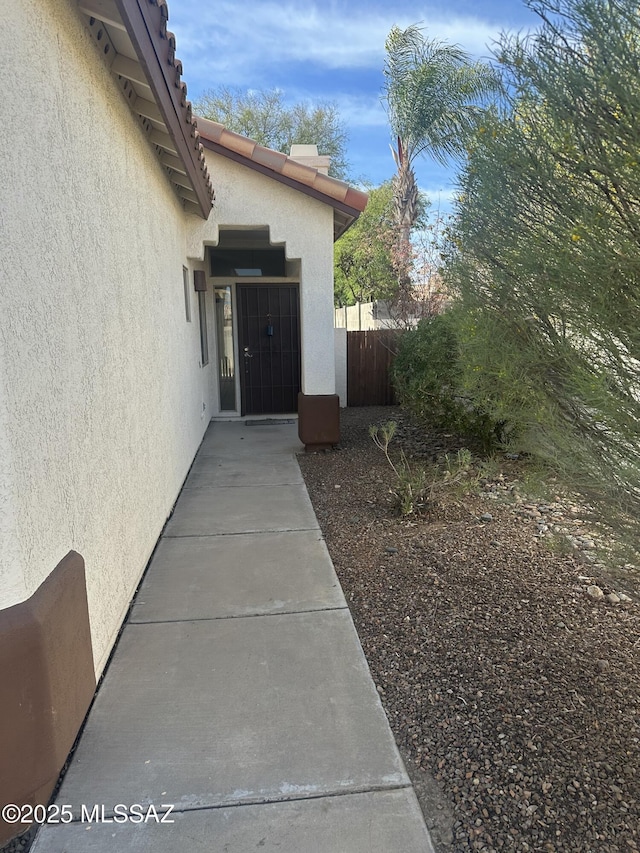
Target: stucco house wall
<point>104,402</point>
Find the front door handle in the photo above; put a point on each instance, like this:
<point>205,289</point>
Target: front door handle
<point>247,354</point>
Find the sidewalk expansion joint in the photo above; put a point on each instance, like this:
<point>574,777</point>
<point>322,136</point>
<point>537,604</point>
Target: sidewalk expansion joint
<point>242,532</point>
<point>237,616</point>
<point>187,488</point>
<point>275,801</point>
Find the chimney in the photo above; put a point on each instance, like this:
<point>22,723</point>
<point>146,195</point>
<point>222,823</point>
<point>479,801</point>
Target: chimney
<point>308,156</point>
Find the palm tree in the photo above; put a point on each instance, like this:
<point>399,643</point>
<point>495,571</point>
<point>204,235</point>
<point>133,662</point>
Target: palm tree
<point>432,93</point>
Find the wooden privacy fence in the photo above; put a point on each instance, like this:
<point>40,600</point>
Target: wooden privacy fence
<point>369,359</point>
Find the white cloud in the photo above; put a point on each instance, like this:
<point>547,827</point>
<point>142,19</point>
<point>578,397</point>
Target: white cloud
<point>233,42</point>
<point>356,110</point>
<point>439,198</point>
<point>325,51</point>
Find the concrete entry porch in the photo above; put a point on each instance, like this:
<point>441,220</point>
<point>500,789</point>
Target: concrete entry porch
<point>239,693</point>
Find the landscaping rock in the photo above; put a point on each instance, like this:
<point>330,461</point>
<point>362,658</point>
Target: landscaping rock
<point>595,592</point>
<point>506,676</point>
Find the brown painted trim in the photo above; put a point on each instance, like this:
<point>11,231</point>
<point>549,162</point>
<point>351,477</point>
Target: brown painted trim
<point>283,179</point>
<point>318,420</point>
<point>145,24</point>
<point>47,682</point>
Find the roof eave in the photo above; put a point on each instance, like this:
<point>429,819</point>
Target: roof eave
<point>145,24</point>
<point>139,51</point>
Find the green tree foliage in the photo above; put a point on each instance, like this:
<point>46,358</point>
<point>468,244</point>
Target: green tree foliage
<point>364,266</point>
<point>545,253</point>
<point>263,115</point>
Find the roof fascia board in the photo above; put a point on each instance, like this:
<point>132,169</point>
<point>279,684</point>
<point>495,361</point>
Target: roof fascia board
<point>138,18</point>
<point>283,179</point>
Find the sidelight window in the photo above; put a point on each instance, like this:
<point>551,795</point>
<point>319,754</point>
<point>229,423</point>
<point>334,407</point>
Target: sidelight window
<point>204,340</point>
<point>225,343</point>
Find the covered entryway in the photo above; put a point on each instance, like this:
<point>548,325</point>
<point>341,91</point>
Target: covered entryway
<point>257,290</point>
<point>275,221</point>
<point>269,348</point>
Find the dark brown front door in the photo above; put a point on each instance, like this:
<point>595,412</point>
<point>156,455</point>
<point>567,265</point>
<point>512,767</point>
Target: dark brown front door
<point>269,340</point>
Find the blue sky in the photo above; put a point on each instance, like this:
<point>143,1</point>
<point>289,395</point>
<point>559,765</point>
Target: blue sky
<point>331,51</point>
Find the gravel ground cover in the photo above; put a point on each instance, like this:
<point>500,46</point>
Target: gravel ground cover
<point>506,659</point>
<point>20,845</point>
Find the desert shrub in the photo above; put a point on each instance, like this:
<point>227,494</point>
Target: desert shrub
<point>429,376</point>
<point>410,487</point>
<point>413,490</point>
<point>544,254</point>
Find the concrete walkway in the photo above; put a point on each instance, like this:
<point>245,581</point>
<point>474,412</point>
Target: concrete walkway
<point>239,693</point>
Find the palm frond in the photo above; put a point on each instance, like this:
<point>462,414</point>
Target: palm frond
<point>432,92</point>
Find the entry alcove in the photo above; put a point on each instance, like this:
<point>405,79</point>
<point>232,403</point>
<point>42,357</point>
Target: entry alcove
<point>257,319</point>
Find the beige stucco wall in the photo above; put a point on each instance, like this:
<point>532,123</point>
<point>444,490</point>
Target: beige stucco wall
<point>247,198</point>
<point>100,385</point>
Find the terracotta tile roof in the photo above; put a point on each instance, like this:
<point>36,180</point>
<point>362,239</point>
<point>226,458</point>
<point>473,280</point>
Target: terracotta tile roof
<point>136,45</point>
<point>308,178</point>
<point>184,104</point>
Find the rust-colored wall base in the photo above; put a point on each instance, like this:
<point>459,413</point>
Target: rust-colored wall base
<point>47,683</point>
<point>318,420</point>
